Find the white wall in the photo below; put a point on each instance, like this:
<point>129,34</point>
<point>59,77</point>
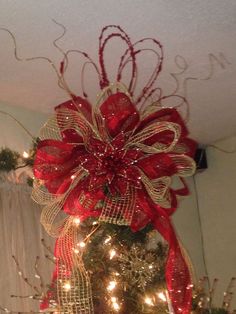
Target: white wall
<point>12,135</point>
<point>217,201</point>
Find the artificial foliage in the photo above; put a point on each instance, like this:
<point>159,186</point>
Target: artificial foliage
<point>127,274</point>
<point>135,270</point>
<point>9,160</point>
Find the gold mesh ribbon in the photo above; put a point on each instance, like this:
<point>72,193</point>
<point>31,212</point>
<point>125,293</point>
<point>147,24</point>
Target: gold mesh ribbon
<point>74,293</point>
<point>119,210</point>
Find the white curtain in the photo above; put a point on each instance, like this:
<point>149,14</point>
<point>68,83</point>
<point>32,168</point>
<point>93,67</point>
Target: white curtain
<point>20,235</point>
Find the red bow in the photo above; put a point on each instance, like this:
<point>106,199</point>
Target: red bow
<point>115,163</point>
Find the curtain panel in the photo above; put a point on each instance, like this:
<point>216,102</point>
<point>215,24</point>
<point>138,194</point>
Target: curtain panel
<point>20,235</point>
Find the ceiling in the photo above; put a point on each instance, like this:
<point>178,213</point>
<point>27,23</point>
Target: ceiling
<point>203,32</point>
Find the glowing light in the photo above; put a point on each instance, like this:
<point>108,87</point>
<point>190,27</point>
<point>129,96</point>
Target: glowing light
<point>76,251</point>
<point>112,253</point>
<point>115,305</point>
<point>25,154</point>
<point>67,286</point>
<point>149,301</point>
<point>82,244</point>
<point>73,177</point>
<point>113,299</point>
<point>107,240</point>
<point>162,296</point>
<point>76,221</point>
<point>112,285</point>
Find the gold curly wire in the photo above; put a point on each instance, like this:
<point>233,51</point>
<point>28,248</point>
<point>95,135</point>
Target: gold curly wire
<point>226,151</point>
<point>62,81</point>
<point>221,60</point>
<point>28,59</point>
<point>18,122</point>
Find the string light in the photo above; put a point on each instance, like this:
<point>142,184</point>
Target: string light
<point>25,154</point>
<point>149,301</point>
<point>112,285</point>
<point>76,251</point>
<point>67,286</point>
<point>73,177</point>
<point>162,296</point>
<point>112,253</point>
<point>115,305</point>
<point>107,240</point>
<point>76,221</point>
<point>82,244</point>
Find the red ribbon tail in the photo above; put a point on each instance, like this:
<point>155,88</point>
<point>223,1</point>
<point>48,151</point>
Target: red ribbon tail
<point>177,273</point>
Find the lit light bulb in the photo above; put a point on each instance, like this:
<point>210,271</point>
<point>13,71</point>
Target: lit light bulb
<point>162,296</point>
<point>112,285</point>
<point>82,244</point>
<point>25,154</point>
<point>148,301</point>
<point>115,305</point>
<point>113,299</point>
<point>73,177</point>
<point>107,240</point>
<point>76,221</point>
<point>67,286</point>
<point>76,251</point>
<point>112,253</point>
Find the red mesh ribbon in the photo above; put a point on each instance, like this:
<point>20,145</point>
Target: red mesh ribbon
<point>115,163</point>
